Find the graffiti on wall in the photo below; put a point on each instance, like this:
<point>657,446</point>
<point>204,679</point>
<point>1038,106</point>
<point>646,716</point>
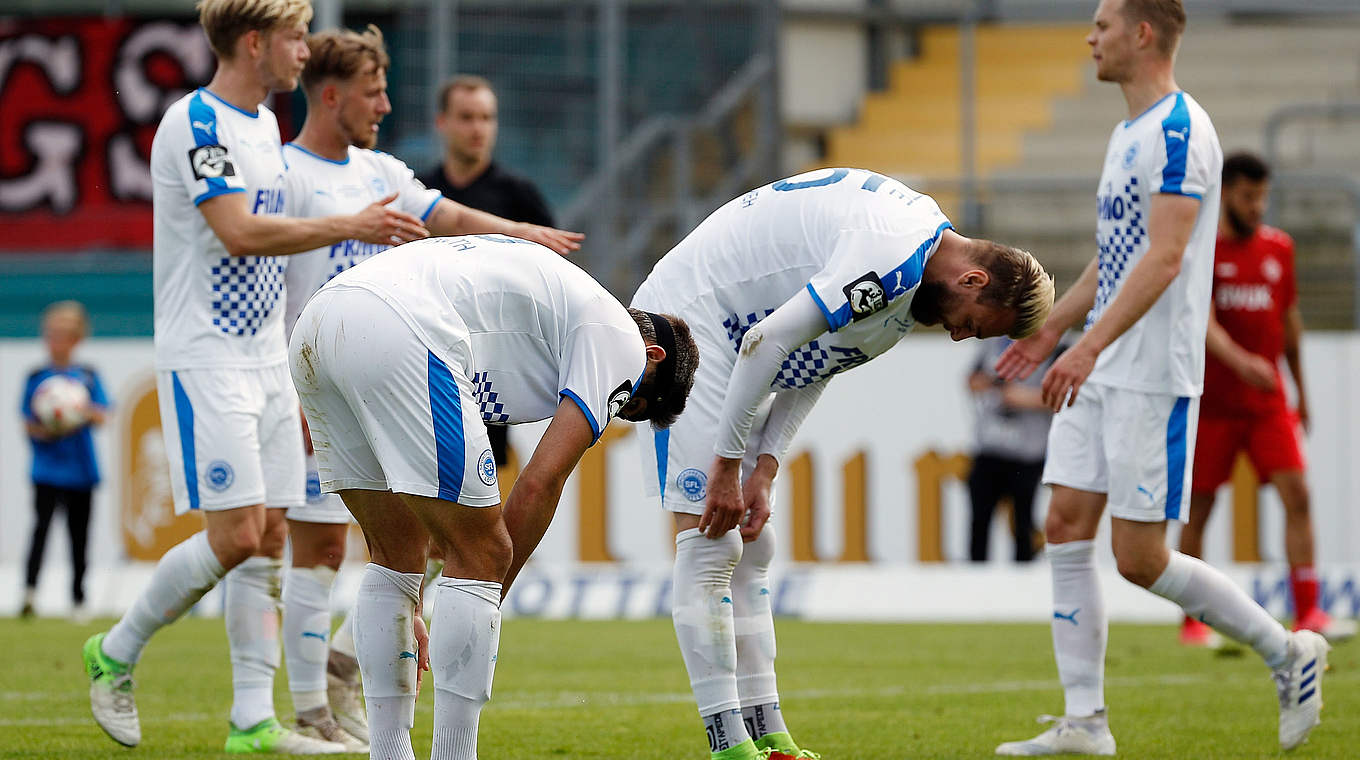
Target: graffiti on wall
<point>79,102</point>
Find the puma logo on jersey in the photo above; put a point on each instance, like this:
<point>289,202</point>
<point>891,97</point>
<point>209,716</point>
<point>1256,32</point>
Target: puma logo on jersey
<point>202,126</point>
<point>1181,135</point>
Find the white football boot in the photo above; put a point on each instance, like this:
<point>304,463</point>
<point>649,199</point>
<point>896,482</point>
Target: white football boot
<point>1068,736</point>
<point>1299,683</point>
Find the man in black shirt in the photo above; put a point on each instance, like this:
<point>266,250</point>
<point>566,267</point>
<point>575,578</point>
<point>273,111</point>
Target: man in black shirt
<point>467,124</point>
<point>467,175</point>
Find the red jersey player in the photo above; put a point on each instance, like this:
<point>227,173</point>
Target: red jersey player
<point>1255,320</point>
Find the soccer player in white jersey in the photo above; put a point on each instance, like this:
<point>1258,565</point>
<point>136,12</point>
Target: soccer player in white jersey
<point>228,410</point>
<point>398,362</point>
<point>333,169</point>
<point>1128,390</point>
<point>783,288</point>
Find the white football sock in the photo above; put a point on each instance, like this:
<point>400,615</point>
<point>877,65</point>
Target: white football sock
<point>1079,626</point>
<point>183,575</point>
<point>753,623</point>
<point>252,618</point>
<point>701,609</point>
<point>465,639</point>
<point>343,639</point>
<point>385,641</point>
<point>306,631</point>
<point>1210,596</point>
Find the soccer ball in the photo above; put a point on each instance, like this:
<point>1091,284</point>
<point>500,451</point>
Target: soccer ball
<point>60,403</point>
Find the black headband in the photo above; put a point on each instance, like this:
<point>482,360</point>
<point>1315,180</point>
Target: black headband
<point>663,379</point>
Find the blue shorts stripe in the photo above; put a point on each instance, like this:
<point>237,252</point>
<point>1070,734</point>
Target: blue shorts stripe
<point>1176,429</point>
<point>662,438</point>
<point>447,409</point>
<point>184,418</point>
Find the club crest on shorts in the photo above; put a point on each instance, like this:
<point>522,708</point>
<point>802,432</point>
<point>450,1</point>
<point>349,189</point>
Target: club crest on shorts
<point>219,475</point>
<point>211,162</point>
<point>486,468</point>
<point>619,399</point>
<point>865,295</point>
<point>693,483</point>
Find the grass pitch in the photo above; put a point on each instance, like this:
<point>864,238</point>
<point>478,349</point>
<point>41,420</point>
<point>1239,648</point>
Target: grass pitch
<point>618,690</point>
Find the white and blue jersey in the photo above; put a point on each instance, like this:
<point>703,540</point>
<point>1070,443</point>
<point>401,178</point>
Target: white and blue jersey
<point>1170,148</point>
<point>320,186</point>
<point>537,326</point>
<point>213,309</point>
<point>856,240</point>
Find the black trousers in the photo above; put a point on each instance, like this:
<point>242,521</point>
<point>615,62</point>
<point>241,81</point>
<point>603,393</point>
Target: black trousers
<point>991,479</point>
<point>500,443</point>
<point>76,502</point>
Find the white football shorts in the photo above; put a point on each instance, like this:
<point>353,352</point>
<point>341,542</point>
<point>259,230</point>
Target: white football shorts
<point>675,461</point>
<point>320,507</point>
<point>231,437</point>
<point>1137,448</point>
<point>386,412</point>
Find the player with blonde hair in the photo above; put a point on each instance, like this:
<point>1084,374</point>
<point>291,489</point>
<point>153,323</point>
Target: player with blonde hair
<point>1127,393</point>
<point>228,409</point>
<point>784,287</point>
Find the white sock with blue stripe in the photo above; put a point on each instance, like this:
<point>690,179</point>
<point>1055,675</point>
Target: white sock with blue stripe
<point>1079,626</point>
<point>753,623</point>
<point>307,633</point>
<point>385,642</point>
<point>1211,597</point>
<point>181,578</point>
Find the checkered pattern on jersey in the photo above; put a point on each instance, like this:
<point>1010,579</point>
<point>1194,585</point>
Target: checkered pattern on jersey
<point>1117,247</point>
<point>805,365</point>
<point>245,291</point>
<point>492,409</point>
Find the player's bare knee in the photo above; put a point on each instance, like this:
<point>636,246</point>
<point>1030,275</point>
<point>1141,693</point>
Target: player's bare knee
<point>1137,568</point>
<point>272,540</point>
<point>484,555</point>
<point>235,544</point>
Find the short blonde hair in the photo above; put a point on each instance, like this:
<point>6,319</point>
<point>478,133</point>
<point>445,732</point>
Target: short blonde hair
<point>1018,283</point>
<point>73,308</point>
<point>224,21</point>
<point>343,53</point>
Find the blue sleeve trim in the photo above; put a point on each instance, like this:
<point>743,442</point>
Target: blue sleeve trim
<point>214,192</point>
<point>184,416</point>
<point>203,125</point>
<point>594,426</point>
<point>430,210</point>
<point>830,318</point>
<point>1176,135</point>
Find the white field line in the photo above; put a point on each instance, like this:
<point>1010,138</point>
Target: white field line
<point>565,700</point>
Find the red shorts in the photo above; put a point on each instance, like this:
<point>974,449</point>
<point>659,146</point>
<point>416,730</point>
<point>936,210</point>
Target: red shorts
<point>1272,442</point>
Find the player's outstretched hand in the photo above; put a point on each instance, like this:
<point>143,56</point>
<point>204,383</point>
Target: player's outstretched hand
<point>1258,372</point>
<point>1066,376</point>
<point>561,241</point>
<point>1020,358</point>
<point>725,506</point>
<point>381,225</point>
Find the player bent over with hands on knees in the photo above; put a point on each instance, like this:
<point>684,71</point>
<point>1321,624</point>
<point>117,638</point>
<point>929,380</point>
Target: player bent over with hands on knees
<point>784,287</point>
<point>1128,391</point>
<point>332,168</point>
<point>398,362</point>
<point>228,408</point>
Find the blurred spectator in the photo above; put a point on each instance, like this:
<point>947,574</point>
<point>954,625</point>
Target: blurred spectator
<point>1011,435</point>
<point>467,123</point>
<point>64,469</point>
